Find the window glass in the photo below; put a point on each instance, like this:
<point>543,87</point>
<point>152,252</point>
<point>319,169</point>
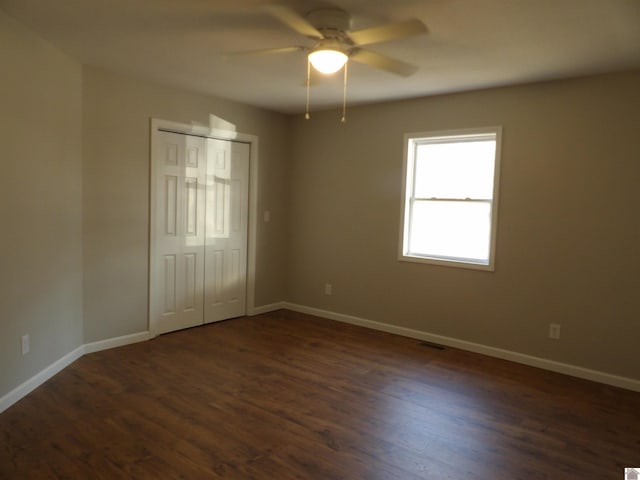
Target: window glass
<point>455,170</point>
<point>451,229</point>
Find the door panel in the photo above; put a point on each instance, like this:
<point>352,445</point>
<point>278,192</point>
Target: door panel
<point>226,240</point>
<point>178,285</point>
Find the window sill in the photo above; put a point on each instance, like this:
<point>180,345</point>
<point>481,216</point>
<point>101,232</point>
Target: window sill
<point>448,262</point>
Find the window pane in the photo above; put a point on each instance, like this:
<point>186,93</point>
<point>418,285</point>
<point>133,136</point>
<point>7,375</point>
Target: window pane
<point>455,170</point>
<point>451,229</point>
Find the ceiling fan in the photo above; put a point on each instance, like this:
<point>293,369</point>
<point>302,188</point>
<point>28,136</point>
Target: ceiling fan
<point>335,43</point>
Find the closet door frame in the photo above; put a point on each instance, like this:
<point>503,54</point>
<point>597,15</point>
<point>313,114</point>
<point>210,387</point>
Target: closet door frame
<point>159,125</point>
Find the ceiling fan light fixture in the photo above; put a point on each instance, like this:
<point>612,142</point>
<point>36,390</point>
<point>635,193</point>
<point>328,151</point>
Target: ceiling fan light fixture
<point>328,60</point>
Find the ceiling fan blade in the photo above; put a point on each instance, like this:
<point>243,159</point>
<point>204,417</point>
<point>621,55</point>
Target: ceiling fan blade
<point>383,62</point>
<point>293,20</point>
<point>390,31</point>
<point>266,50</point>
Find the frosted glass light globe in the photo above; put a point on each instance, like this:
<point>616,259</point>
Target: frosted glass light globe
<point>327,61</point>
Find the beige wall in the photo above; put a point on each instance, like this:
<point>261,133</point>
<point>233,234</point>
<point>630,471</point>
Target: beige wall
<point>568,230</point>
<point>40,203</point>
<point>117,112</point>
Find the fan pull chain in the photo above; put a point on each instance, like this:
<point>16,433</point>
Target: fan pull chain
<point>344,96</point>
<point>307,115</point>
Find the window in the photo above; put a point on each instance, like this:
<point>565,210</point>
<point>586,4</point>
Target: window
<point>450,197</point>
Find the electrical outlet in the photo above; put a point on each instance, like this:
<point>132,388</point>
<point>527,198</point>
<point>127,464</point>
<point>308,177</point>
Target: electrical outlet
<point>554,331</point>
<point>328,289</point>
<point>25,344</point>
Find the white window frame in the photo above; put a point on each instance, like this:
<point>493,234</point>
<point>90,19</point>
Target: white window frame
<point>411,142</point>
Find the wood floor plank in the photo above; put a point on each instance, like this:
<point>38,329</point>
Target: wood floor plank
<point>291,396</point>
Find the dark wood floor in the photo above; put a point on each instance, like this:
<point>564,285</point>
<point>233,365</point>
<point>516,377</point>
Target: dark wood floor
<point>286,396</point>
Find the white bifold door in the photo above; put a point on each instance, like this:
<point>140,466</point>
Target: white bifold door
<point>199,230</point>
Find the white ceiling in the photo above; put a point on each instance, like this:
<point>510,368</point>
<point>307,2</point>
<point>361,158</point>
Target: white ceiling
<point>471,44</point>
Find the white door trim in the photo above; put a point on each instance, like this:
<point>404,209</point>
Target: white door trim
<point>230,135</point>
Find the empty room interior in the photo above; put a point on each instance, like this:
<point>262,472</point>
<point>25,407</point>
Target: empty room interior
<point>221,262</point>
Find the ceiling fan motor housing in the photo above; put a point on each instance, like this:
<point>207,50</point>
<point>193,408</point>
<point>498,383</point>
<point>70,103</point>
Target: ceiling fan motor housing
<point>332,22</point>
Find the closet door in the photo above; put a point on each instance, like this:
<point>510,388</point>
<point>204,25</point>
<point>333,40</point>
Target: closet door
<point>226,231</point>
<point>177,280</point>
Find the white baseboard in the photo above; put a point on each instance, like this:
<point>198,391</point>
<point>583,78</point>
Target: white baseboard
<point>552,365</point>
<point>38,379</point>
<point>272,307</point>
<point>116,342</point>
